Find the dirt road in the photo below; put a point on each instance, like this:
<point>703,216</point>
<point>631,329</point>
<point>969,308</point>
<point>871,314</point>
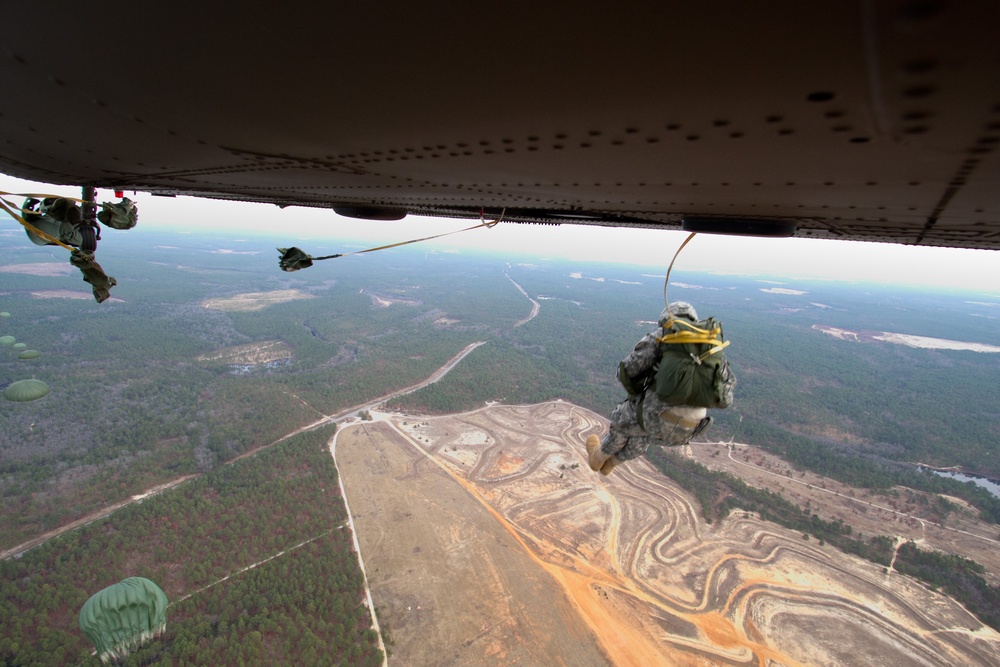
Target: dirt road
<point>93,516</point>
<point>325,419</point>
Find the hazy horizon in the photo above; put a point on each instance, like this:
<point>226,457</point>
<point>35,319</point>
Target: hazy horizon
<point>794,258</point>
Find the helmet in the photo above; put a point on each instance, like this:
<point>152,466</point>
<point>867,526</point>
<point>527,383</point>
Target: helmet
<point>679,309</point>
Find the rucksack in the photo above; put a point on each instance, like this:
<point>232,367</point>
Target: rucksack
<point>693,369</point>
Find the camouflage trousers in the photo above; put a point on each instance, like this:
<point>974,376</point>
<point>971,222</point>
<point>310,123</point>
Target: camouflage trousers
<point>662,424</point>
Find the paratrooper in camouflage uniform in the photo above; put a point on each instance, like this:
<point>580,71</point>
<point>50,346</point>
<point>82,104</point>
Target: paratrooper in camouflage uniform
<point>630,434</point>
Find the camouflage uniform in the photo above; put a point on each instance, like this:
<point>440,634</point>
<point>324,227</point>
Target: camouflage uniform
<point>662,424</point>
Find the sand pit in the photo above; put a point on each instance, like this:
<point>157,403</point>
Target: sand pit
<point>386,300</point>
<point>252,301</point>
<point>61,294</point>
<point>783,290</point>
<point>506,549</point>
<point>262,352</point>
<point>908,340</point>
<point>40,269</point>
<point>934,343</point>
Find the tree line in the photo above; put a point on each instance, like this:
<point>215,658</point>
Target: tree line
<point>307,602</point>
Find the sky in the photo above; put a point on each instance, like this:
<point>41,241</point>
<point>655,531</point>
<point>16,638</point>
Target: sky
<point>791,259</point>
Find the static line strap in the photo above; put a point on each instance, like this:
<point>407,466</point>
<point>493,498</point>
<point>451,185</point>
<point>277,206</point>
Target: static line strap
<point>36,196</point>
<point>666,303</point>
<point>485,223</point>
<point>15,212</point>
<point>692,329</point>
<point>694,335</point>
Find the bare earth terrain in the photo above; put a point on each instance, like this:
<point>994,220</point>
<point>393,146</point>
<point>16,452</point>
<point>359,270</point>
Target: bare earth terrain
<point>62,294</point>
<point>260,352</point>
<point>903,516</point>
<point>40,269</point>
<point>488,541</point>
<point>251,301</point>
<point>905,339</point>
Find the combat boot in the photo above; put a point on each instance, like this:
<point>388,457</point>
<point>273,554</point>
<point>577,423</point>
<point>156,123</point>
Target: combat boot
<point>595,457</point>
<point>609,465</point>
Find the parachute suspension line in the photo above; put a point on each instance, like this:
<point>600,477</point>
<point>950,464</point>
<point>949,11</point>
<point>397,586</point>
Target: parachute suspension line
<point>15,212</point>
<point>38,196</point>
<point>691,334</point>
<point>484,223</point>
<point>293,259</point>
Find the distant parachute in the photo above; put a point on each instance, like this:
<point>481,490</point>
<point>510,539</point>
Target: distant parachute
<point>29,354</point>
<point>4,314</point>
<point>124,616</point>
<point>23,391</point>
<point>7,340</point>
<point>20,346</point>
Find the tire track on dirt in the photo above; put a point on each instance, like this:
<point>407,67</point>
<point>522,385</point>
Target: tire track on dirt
<point>658,563</point>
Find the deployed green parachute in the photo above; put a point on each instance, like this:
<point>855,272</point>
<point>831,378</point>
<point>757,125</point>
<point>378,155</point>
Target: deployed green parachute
<point>124,616</point>
<point>5,314</point>
<point>7,340</point>
<point>29,354</point>
<point>20,346</point>
<point>23,391</point>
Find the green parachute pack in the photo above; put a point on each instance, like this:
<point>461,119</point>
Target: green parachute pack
<point>693,369</point>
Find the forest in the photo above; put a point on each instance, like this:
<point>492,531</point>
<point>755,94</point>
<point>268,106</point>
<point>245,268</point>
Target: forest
<point>141,395</point>
<point>306,604</point>
<point>863,413</point>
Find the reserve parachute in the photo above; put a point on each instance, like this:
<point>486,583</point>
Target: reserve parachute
<point>124,616</point>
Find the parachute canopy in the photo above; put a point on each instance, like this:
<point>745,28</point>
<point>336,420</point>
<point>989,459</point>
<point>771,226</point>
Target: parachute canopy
<point>23,391</point>
<point>20,346</point>
<point>29,354</point>
<point>4,314</point>
<point>124,616</point>
<point>7,340</point>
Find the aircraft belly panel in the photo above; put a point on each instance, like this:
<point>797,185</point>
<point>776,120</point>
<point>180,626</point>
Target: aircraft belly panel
<point>869,120</point>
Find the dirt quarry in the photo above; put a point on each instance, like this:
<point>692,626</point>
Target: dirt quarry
<point>40,269</point>
<point>487,540</point>
<point>252,301</point>
<point>261,352</point>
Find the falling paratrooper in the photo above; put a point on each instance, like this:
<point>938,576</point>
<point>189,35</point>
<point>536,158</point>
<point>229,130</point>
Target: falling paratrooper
<point>123,617</point>
<point>63,221</point>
